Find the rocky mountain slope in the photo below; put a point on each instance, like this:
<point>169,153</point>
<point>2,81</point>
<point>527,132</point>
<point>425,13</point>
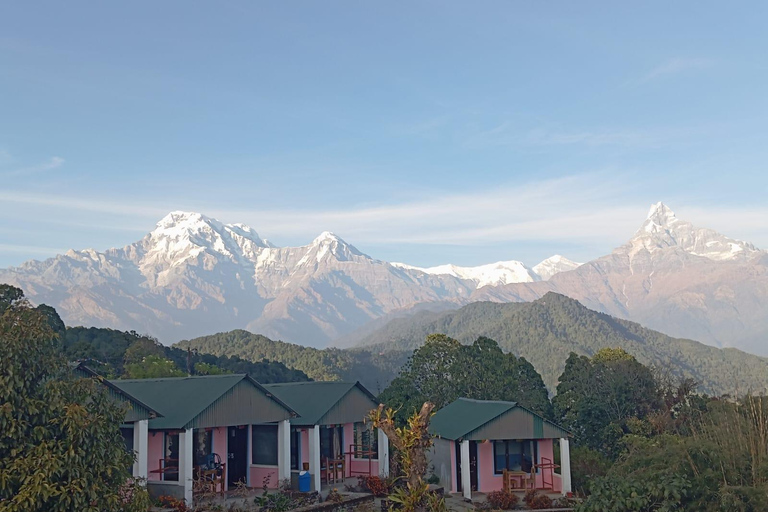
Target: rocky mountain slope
<point>673,277</point>
<point>544,331</point>
<point>194,275</point>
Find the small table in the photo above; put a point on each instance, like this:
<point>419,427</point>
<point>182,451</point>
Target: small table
<point>334,467</point>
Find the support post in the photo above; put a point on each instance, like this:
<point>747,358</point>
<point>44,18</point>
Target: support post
<point>383,454</point>
<point>141,447</point>
<point>466,481</point>
<point>565,465</point>
<point>249,456</point>
<point>314,456</point>
<point>284,451</point>
<point>185,464</point>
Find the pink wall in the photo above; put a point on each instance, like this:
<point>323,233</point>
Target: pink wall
<point>488,481</point>
<point>220,446</point>
<point>258,473</point>
<point>155,453</point>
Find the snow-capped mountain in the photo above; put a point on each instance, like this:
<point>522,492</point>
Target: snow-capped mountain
<point>493,274</point>
<point>554,265</point>
<point>673,277</point>
<point>194,275</point>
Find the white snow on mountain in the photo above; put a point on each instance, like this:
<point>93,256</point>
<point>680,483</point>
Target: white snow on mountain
<point>493,274</point>
<point>663,229</point>
<point>554,265</point>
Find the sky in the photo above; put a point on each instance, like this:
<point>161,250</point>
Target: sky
<point>424,132</point>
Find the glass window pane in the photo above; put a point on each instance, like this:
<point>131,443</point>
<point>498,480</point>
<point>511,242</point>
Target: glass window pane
<point>264,445</point>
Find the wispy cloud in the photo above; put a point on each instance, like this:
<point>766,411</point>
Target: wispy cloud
<point>508,134</point>
<point>30,249</point>
<point>596,210</point>
<point>52,163</point>
<point>675,66</point>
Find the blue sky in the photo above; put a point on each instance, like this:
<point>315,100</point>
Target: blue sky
<point>425,132</point>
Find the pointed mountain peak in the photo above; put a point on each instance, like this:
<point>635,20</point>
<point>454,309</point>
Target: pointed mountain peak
<point>662,230</point>
<point>554,265</point>
<point>661,214</point>
<point>327,236</point>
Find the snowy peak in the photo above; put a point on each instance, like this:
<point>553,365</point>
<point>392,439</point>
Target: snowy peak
<point>180,236</point>
<point>662,230</point>
<point>493,274</point>
<point>554,265</point>
<point>328,245</point>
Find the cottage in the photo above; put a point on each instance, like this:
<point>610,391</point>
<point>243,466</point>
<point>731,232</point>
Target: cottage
<point>489,445</point>
<point>226,419</point>
<point>136,422</point>
<point>330,437</point>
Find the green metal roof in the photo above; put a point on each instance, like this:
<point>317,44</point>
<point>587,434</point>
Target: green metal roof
<point>313,400</point>
<point>465,416</point>
<point>182,399</point>
<point>138,410</point>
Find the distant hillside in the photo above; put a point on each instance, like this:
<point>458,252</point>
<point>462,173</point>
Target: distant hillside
<point>374,370</point>
<point>545,331</point>
<point>105,349</point>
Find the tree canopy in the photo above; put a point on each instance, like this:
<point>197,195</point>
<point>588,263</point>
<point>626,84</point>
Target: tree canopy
<point>61,447</point>
<point>443,370</point>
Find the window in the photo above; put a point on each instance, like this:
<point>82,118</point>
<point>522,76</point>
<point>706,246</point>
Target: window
<point>172,453</point>
<point>366,439</point>
<point>264,445</point>
<point>295,447</point>
<point>514,455</point>
<point>331,442</point>
<point>202,441</point>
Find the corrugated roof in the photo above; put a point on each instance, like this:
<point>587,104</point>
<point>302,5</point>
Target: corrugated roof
<point>181,399</point>
<point>313,400</point>
<point>464,415</point>
<point>138,409</point>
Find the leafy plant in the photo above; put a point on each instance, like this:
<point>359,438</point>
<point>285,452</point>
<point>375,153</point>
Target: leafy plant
<point>502,500</point>
<point>537,501</point>
<point>61,447</point>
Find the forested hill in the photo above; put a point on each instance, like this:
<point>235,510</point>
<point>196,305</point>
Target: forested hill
<point>373,369</point>
<point>545,331</point>
<point>104,350</point>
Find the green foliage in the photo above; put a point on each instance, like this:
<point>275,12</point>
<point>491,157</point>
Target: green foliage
<point>443,370</point>
<point>209,369</point>
<point>107,350</point>
<point>717,465</point>
<point>603,398</point>
<point>61,447</point>
<point>152,367</point>
<point>547,330</point>
<point>374,369</point>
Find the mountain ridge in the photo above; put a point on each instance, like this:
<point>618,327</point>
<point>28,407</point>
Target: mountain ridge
<point>194,274</point>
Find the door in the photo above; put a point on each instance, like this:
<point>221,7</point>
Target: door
<point>472,465</point>
<point>237,455</point>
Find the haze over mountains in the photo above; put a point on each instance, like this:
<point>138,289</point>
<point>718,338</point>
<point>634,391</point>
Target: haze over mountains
<point>194,275</point>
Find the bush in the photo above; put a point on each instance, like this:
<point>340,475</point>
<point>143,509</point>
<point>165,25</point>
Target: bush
<point>503,500</point>
<point>537,501</point>
<point>374,484</point>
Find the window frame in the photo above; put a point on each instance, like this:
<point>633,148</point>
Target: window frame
<point>265,429</point>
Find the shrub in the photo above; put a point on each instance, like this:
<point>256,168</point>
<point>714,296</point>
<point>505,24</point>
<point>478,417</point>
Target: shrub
<point>504,499</point>
<point>537,501</point>
<point>376,485</point>
<point>175,503</point>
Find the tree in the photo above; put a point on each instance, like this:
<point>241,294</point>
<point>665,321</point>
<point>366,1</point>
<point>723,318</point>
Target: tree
<point>61,447</point>
<point>443,370</point>
<point>602,398</point>
<point>152,367</point>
